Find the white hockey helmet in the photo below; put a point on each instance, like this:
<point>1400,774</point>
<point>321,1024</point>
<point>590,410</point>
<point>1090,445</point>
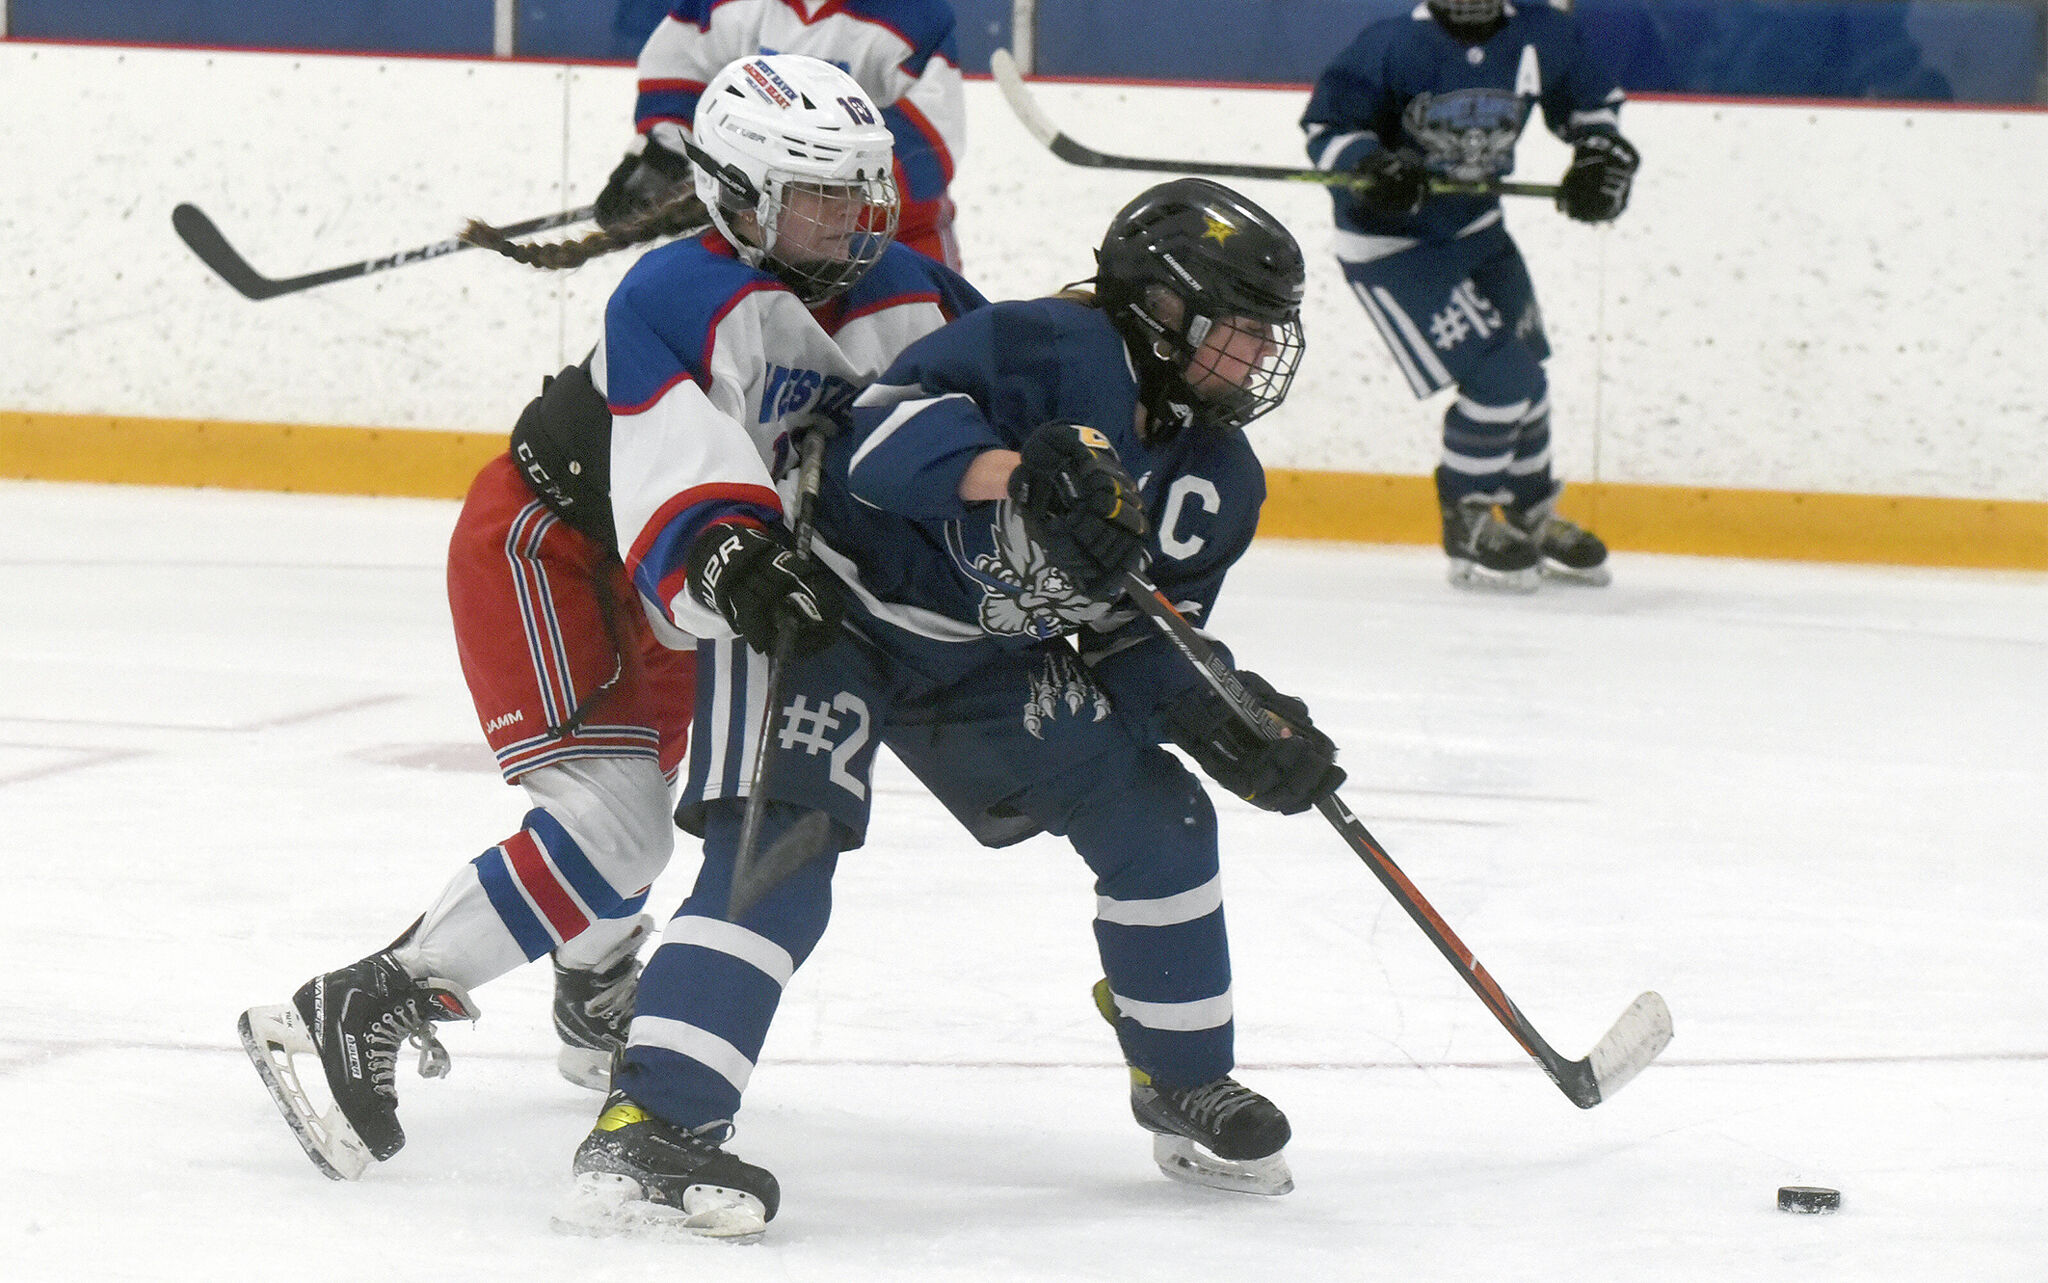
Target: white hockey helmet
<point>795,166</point>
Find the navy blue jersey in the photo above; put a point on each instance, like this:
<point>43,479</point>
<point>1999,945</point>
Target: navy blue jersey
<point>1405,82</point>
<point>954,572</point>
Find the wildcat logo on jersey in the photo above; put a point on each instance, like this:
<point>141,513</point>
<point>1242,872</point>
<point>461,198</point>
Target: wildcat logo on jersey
<point>1022,594</point>
<point>1062,683</point>
<point>788,391</point>
<point>1467,135</point>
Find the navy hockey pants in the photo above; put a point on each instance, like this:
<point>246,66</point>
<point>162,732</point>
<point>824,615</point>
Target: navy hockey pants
<point>1463,312</point>
<point>1012,743</point>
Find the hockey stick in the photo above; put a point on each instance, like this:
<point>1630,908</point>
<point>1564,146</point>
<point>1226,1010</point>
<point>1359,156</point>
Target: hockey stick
<point>1636,1038</point>
<point>1067,148</point>
<point>755,872</point>
<point>199,233</point>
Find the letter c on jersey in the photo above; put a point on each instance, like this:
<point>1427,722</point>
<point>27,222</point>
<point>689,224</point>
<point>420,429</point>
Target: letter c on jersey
<point>1206,498</point>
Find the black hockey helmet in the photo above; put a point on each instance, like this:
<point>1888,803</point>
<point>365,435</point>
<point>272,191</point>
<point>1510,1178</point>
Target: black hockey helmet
<point>1223,259</point>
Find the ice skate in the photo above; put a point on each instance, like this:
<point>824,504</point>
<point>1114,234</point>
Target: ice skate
<point>635,1174</point>
<point>593,1009</point>
<point>1567,552</point>
<point>1221,1134</point>
<point>354,1021</point>
<point>1485,552</point>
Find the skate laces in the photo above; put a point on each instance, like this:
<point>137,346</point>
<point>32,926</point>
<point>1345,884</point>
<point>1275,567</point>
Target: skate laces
<point>1212,1104</point>
<point>616,988</point>
<point>401,1025</point>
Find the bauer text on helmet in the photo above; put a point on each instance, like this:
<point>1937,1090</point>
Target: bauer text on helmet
<point>794,163</point>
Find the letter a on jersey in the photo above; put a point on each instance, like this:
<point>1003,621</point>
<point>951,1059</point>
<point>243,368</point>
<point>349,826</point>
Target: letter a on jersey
<point>1529,76</point>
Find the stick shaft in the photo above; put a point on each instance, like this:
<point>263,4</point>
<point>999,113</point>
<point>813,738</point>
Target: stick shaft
<point>1074,152</point>
<point>810,475</point>
<point>204,238</point>
<point>1573,1078</point>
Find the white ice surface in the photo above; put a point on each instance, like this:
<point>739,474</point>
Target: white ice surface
<point>1804,803</point>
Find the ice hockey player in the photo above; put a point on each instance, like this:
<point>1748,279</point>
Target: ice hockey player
<point>900,51</point>
<point>571,583</point>
<point>1442,93</point>
<point>1000,481</point>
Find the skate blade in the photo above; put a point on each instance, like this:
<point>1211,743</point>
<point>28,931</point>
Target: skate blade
<point>604,1204</point>
<point>586,1067</point>
<point>272,1036</point>
<point>1184,1160</point>
<point>1473,577</point>
<point>1591,577</point>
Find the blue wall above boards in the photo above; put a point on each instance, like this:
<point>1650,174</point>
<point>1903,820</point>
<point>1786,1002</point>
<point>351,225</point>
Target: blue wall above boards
<point>379,26</point>
<point>1981,51</point>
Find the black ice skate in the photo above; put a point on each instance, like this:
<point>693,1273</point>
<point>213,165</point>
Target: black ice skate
<point>1221,1134</point>
<point>354,1020</point>
<point>594,1008</point>
<point>1568,552</point>
<point>635,1174</point>
<point>1485,551</point>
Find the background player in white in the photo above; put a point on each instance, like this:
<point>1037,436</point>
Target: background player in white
<point>901,52</point>
<point>1444,92</point>
<point>570,570</point>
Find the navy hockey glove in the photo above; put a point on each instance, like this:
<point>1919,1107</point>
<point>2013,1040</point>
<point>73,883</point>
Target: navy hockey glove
<point>1081,508</point>
<point>1399,182</point>
<point>752,576</point>
<point>1285,775</point>
<point>649,176</point>
<point>1595,188</point>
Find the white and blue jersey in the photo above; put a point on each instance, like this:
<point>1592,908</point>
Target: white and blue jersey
<point>705,362</point>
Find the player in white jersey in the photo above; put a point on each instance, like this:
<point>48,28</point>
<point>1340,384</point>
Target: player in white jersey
<point>575,572</point>
<point>901,52</point>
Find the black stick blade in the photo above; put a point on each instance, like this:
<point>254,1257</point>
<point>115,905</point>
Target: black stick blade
<point>204,239</point>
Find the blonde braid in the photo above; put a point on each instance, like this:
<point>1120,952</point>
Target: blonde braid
<point>681,216</point>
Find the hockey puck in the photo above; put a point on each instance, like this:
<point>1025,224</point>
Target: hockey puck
<point>1809,1200</point>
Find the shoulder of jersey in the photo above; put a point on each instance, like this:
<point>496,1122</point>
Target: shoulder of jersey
<point>689,276</point>
<point>921,22</point>
<point>903,273</point>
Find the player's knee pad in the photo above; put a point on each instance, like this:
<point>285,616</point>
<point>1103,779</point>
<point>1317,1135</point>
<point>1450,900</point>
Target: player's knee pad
<point>793,915</point>
<point>1146,827</point>
<point>1509,376</point>
<point>616,811</point>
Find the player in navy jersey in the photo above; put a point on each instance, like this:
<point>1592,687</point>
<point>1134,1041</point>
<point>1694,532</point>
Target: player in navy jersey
<point>1443,93</point>
<point>900,51</point>
<point>999,482</point>
<point>576,599</point>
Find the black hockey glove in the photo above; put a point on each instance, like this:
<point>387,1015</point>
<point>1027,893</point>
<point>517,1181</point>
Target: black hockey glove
<point>752,576</point>
<point>1285,775</point>
<point>1595,188</point>
<point>1081,508</point>
<point>650,175</point>
<point>1399,182</point>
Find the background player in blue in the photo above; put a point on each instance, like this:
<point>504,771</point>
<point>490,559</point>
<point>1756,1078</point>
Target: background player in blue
<point>570,573</point>
<point>1444,93</point>
<point>981,515</point>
